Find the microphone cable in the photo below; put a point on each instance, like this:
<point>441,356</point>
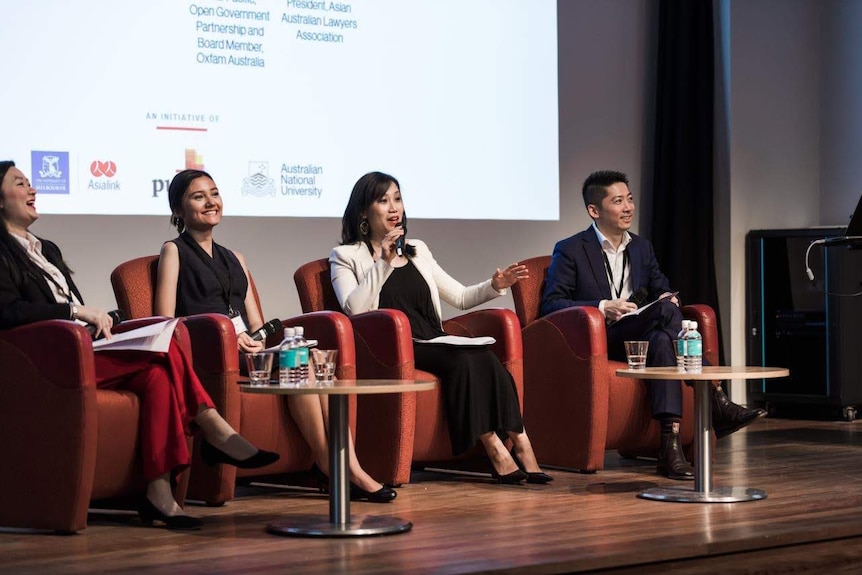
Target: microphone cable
<point>810,273</point>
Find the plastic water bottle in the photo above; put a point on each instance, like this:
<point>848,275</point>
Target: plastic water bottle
<point>302,353</point>
<point>693,349</point>
<point>288,360</point>
<point>680,345</point>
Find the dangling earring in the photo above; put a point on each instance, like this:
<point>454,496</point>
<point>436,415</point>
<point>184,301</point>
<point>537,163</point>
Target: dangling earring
<point>364,228</point>
<point>179,223</point>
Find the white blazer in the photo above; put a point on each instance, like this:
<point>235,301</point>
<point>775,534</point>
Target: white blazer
<point>358,279</point>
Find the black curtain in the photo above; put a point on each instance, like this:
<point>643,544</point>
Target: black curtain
<point>682,214</point>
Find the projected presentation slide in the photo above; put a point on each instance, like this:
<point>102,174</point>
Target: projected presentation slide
<point>286,103</point>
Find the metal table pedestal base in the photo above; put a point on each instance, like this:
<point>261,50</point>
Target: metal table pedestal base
<point>717,495</point>
<point>319,526</point>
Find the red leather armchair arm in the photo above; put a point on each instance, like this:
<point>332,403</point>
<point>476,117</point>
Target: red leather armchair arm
<point>385,424</point>
<point>332,330</point>
<point>211,337</point>
<point>566,365</point>
<point>501,324</point>
<point>48,415</point>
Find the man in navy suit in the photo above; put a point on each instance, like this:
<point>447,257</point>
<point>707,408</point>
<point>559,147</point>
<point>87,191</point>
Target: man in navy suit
<point>602,267</point>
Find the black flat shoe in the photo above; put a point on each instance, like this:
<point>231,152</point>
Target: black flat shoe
<point>514,478</point>
<point>382,495</point>
<point>149,513</point>
<point>212,455</point>
<point>538,477</point>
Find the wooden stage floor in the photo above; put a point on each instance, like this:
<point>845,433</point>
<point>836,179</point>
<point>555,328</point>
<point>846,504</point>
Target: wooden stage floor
<point>810,522</point>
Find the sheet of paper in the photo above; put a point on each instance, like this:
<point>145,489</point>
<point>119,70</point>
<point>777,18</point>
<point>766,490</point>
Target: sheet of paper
<point>155,337</point>
<point>665,296</point>
<point>459,340</point>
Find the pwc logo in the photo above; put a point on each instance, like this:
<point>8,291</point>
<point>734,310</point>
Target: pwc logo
<point>193,161</point>
<point>103,169</point>
<point>106,170</point>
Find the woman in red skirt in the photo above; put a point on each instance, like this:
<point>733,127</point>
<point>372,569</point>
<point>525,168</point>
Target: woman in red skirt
<point>36,285</point>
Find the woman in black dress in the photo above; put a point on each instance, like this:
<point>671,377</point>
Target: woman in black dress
<point>368,273</point>
<point>197,275</point>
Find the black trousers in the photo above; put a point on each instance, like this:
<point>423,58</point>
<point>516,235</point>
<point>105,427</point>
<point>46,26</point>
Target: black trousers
<point>659,324</point>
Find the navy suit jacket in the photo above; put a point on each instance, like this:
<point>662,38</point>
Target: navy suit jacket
<point>577,275</point>
<point>26,298</point>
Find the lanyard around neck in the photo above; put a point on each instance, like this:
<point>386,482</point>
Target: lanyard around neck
<point>619,290</point>
<point>63,292</point>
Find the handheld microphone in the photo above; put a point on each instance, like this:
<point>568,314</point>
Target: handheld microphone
<point>118,316</point>
<point>266,330</point>
<point>639,296</point>
<point>399,243</point>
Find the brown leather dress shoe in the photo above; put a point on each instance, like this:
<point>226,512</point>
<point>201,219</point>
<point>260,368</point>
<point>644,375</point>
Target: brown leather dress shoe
<point>728,417</point>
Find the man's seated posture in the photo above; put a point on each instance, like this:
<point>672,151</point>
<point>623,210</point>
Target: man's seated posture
<point>601,267</point>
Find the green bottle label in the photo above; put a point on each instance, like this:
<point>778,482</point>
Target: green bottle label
<point>695,347</point>
<point>288,358</point>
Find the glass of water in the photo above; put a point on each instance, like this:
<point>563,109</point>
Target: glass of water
<point>259,368</point>
<point>324,364</point>
<point>636,353</point>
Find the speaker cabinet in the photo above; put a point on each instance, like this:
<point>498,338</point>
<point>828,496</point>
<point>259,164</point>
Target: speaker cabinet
<point>812,328</point>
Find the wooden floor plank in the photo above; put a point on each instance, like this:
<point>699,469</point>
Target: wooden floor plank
<point>812,472</point>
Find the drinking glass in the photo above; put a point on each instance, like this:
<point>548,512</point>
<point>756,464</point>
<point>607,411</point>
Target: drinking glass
<point>259,368</point>
<point>636,354</point>
<point>324,364</point>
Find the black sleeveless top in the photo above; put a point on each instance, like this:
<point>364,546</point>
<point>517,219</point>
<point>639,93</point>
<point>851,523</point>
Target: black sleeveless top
<point>406,290</point>
<point>209,284</point>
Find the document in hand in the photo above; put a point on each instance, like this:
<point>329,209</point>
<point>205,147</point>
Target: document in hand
<point>459,340</point>
<point>664,296</point>
<point>155,337</point>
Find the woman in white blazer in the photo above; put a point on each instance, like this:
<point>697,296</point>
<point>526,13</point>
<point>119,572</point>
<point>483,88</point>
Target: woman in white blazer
<point>375,267</point>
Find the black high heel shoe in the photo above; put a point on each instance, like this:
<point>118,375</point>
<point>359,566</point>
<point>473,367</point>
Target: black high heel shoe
<point>212,455</point>
<point>149,513</point>
<point>382,495</point>
<point>321,478</point>
<point>539,477</point>
<point>514,478</point>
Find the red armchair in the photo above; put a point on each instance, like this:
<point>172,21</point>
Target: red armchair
<point>67,442</point>
<point>575,407</point>
<point>396,432</point>
<point>262,419</point>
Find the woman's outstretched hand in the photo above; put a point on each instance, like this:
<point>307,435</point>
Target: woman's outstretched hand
<point>512,274</point>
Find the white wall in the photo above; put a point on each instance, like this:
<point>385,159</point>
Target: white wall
<point>774,134</point>
<point>602,58</point>
<point>840,110</point>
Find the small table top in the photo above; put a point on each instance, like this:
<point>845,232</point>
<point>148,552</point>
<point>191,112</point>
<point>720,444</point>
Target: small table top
<point>344,387</point>
<point>707,372</point>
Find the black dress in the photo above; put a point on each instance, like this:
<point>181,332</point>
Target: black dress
<point>209,284</point>
<point>479,393</point>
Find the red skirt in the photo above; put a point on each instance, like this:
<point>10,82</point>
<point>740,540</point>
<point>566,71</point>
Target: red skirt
<point>171,396</point>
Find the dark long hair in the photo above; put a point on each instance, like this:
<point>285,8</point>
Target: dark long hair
<point>177,188</point>
<point>11,249</point>
<point>367,190</point>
